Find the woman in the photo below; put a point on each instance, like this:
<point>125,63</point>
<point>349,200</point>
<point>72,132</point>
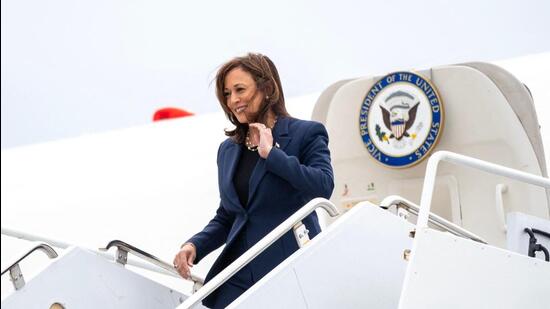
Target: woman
<point>269,167</point>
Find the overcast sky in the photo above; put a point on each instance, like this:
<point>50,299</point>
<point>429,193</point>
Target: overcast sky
<point>75,67</point>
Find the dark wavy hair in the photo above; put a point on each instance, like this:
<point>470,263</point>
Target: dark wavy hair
<point>267,80</point>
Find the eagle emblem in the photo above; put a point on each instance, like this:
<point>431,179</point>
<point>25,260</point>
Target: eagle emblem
<point>400,117</point>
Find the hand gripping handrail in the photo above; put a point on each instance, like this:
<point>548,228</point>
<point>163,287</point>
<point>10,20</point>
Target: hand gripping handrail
<point>433,218</point>
<point>107,255</point>
<point>121,257</point>
<point>258,248</point>
<point>15,272</point>
<point>431,171</point>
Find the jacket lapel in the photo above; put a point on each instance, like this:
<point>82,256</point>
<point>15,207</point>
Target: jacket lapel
<point>281,140</point>
<point>231,159</point>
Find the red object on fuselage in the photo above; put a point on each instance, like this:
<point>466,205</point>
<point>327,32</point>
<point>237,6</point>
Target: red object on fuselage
<point>170,113</point>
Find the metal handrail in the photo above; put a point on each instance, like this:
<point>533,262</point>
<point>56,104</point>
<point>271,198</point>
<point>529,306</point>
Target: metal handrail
<point>433,218</point>
<point>500,189</point>
<point>32,237</point>
<point>127,248</point>
<point>49,251</point>
<point>431,172</point>
<point>107,255</point>
<point>15,272</point>
<point>258,248</point>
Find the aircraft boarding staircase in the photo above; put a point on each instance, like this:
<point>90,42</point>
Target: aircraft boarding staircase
<point>371,257</point>
<point>399,255</point>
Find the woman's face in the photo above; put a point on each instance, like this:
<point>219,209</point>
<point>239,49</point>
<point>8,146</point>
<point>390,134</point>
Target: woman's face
<point>241,94</point>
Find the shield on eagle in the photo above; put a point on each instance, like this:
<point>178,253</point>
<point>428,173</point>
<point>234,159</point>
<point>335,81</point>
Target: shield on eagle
<point>398,128</point>
<point>400,116</point>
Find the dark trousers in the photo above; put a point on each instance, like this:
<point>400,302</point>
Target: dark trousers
<point>238,283</point>
<point>230,290</point>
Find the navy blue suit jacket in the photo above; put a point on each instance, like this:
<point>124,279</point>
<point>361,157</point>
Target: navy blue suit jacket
<point>295,172</point>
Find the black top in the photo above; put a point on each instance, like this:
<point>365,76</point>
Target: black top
<point>241,179</point>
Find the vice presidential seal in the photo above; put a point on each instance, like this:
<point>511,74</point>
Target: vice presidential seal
<point>401,119</point>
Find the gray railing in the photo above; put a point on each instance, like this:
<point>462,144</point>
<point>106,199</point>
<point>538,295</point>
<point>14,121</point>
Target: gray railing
<point>16,275</point>
<point>434,219</point>
<point>258,248</point>
<point>63,245</point>
<point>121,257</point>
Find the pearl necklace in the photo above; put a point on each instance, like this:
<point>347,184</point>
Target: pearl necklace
<point>249,145</point>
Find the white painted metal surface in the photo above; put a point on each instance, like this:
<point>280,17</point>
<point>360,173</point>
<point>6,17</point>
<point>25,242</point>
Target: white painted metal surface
<point>446,271</point>
<point>479,123</point>
<point>82,279</point>
<point>356,263</point>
